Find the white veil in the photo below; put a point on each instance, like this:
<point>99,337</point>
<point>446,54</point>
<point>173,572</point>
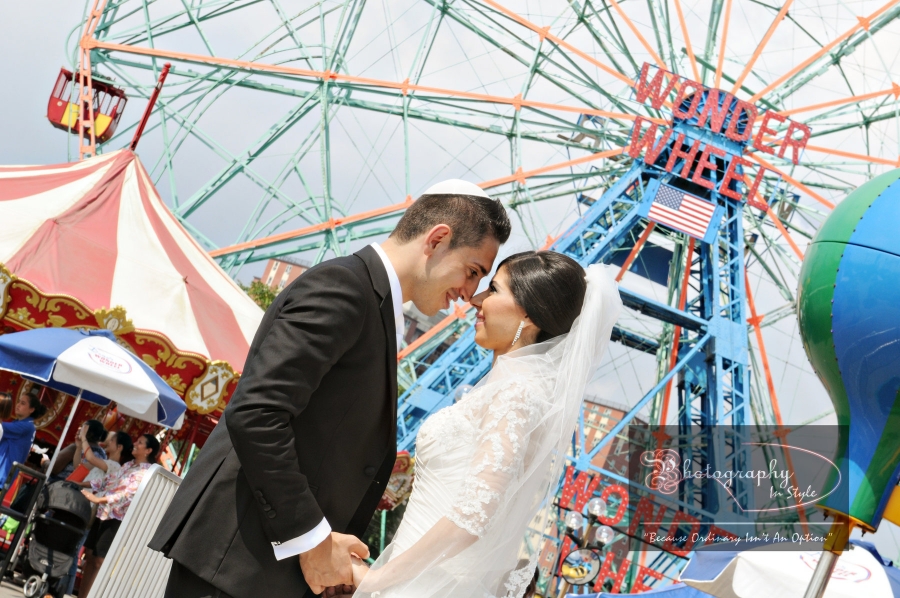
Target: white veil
<point>532,398</point>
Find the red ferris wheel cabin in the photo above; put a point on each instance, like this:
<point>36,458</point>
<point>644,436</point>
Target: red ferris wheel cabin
<point>109,104</point>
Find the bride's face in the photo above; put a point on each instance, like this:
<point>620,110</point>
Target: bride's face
<point>499,316</point>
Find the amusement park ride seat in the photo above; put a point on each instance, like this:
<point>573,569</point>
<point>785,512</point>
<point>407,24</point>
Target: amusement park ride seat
<point>109,104</point>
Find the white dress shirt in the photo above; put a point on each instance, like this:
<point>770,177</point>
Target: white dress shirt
<point>396,294</point>
<point>317,535</point>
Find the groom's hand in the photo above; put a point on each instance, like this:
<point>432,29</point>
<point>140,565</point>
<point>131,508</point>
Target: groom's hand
<point>329,563</point>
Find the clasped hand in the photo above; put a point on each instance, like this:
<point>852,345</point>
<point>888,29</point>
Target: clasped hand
<point>335,566</point>
<point>360,568</point>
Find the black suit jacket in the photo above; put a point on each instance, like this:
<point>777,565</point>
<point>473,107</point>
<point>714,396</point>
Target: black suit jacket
<point>309,433</point>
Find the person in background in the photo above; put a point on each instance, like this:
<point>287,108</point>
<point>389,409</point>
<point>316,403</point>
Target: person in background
<point>18,435</point>
<point>72,456</point>
<point>37,458</point>
<point>113,495</point>
<point>118,447</point>
<point>6,408</point>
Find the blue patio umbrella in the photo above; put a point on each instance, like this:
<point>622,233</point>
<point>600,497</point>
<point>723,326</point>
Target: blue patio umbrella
<point>745,571</point>
<point>91,365</point>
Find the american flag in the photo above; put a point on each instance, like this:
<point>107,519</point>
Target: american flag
<point>681,211</point>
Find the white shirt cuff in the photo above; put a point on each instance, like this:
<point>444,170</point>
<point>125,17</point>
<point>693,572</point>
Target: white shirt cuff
<point>306,542</point>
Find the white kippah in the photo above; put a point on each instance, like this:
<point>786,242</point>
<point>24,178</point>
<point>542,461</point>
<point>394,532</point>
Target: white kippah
<point>456,187</point>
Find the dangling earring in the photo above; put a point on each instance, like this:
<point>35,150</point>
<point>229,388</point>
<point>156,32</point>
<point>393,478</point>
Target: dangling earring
<point>519,332</point>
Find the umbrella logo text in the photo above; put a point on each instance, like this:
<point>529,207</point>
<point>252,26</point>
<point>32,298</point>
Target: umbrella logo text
<point>842,571</point>
<point>109,361</point>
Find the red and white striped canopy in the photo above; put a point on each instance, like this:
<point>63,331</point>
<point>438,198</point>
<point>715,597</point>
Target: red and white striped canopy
<point>97,230</point>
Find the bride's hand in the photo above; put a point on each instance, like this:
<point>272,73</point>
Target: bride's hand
<point>360,569</point>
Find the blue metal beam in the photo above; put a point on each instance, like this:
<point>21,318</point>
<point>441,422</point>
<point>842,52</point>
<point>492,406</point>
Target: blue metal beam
<point>662,312</point>
<point>583,460</point>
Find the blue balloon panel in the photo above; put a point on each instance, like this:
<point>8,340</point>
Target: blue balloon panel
<point>866,331</point>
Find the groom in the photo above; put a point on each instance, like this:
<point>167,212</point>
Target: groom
<point>296,466</point>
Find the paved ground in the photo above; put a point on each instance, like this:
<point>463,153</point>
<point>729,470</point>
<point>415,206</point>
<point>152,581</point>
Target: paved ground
<point>9,590</point>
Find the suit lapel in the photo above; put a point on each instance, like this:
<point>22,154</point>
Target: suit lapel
<point>382,286</point>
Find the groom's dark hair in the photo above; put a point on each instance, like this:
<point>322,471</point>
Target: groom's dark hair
<point>471,218</point>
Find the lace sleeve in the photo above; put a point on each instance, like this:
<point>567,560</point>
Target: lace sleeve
<point>502,441</point>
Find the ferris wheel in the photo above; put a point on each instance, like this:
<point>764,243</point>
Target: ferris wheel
<point>307,127</point>
<point>320,119</point>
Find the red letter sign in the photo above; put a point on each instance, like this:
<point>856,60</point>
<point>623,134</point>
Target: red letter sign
<point>643,90</point>
<point>796,144</point>
<point>765,130</point>
<point>705,164</point>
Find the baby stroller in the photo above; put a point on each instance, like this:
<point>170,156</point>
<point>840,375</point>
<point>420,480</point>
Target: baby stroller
<point>63,516</point>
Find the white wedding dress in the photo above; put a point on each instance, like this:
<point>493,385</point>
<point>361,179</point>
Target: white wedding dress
<point>490,462</point>
<point>446,484</point>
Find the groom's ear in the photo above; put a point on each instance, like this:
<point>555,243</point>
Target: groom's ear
<point>440,234</point>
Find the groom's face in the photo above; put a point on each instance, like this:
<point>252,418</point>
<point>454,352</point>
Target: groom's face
<point>451,274</point>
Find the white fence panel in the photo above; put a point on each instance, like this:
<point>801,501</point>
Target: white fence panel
<point>131,570</point>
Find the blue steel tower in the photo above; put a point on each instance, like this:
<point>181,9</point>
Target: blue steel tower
<point>709,366</point>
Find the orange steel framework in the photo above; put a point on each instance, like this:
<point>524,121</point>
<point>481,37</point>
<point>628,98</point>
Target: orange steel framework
<point>722,46</point>
<point>676,333</point>
<point>687,38</point>
<point>403,86</point>
<point>518,102</point>
<point>635,250</point>
<point>521,178</point>
<point>854,156</point>
<point>792,180</point>
<point>544,33</point>
<point>88,145</point>
<point>637,34</point>
<point>89,42</point>
<point>748,68</point>
<point>755,320</point>
<point>779,225</point>
<point>784,233</point>
<point>894,89</point>
<point>87,142</point>
<point>863,23</point>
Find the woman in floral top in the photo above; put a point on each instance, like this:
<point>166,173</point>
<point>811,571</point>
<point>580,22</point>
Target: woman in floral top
<point>113,495</point>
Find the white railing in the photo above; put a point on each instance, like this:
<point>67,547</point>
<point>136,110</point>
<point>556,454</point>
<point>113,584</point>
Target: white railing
<point>131,570</point>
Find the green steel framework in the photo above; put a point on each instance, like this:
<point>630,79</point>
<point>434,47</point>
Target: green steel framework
<point>272,107</point>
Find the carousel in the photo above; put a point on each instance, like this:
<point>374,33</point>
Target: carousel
<point>92,245</point>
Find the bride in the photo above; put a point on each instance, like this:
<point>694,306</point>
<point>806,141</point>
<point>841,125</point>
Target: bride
<point>486,465</point>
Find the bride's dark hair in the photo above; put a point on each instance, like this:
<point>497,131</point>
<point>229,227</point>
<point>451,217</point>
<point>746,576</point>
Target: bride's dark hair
<point>549,286</point>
